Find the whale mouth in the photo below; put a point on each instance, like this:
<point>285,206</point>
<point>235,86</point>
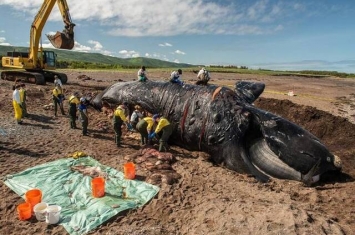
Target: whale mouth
<point>275,147</point>
<point>268,163</point>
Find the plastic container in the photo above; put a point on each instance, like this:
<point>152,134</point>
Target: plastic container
<point>24,211</point>
<point>98,187</point>
<point>33,196</point>
<point>53,214</point>
<point>129,170</point>
<point>40,211</point>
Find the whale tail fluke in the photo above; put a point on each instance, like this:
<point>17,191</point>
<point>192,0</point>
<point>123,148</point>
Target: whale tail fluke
<point>249,91</point>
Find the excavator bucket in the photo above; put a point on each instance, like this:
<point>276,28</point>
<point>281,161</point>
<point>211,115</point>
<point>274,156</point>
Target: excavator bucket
<point>62,40</point>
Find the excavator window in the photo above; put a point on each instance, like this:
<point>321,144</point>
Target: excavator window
<point>49,58</point>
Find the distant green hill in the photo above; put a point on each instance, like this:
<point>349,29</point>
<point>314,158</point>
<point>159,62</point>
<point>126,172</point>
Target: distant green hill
<point>65,55</point>
<point>74,59</point>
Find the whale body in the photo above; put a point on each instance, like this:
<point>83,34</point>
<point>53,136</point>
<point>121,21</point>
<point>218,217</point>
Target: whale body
<point>224,123</point>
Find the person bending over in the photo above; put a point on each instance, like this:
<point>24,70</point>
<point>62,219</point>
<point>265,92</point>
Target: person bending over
<point>119,117</point>
<point>166,128</point>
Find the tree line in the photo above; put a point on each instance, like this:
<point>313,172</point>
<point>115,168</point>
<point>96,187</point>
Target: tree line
<point>90,65</point>
<point>63,64</point>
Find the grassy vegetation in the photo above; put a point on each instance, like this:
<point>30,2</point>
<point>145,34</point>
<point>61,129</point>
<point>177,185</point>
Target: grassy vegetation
<point>304,73</point>
<point>97,60</point>
<point>90,61</point>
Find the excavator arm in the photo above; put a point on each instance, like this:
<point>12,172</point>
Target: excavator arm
<point>65,39</point>
<point>61,40</point>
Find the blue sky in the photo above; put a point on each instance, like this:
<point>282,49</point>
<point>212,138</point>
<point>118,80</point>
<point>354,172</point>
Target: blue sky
<point>271,34</point>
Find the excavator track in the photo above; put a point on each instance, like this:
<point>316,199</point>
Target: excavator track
<point>39,78</point>
<point>29,77</point>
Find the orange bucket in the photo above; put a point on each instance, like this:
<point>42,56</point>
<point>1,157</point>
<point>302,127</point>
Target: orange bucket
<point>33,196</point>
<point>129,170</point>
<point>98,187</point>
<point>24,211</point>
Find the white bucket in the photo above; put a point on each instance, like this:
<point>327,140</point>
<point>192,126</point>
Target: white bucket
<point>40,210</point>
<point>53,214</point>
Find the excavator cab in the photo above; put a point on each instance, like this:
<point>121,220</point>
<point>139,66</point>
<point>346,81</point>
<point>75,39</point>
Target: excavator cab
<point>65,39</point>
<point>49,60</point>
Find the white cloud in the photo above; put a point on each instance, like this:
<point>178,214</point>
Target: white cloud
<point>165,44</point>
<point>140,18</point>
<point>298,6</point>
<point>257,10</point>
<point>279,27</point>
<point>81,48</point>
<point>47,45</point>
<point>128,54</point>
<point>157,56</point>
<point>265,11</point>
<point>137,18</point>
<point>51,33</point>
<point>179,52</point>
<point>106,52</point>
<point>99,48</point>
<point>77,46</point>
<point>3,42</point>
<point>2,31</point>
<point>97,45</point>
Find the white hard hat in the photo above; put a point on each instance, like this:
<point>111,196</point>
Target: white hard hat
<point>82,99</point>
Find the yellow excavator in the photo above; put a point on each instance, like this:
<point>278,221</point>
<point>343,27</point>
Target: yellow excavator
<point>35,66</point>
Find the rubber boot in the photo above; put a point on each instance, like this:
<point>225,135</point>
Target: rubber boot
<point>163,146</point>
<point>85,128</point>
<point>55,108</point>
<point>72,124</point>
<point>118,141</point>
<point>62,109</point>
<point>143,142</point>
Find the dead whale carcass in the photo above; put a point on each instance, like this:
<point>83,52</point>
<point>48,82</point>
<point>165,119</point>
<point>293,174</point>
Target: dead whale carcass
<point>224,123</point>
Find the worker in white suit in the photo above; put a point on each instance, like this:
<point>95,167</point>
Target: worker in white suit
<point>16,102</point>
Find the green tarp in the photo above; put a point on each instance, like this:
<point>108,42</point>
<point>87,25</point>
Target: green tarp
<point>71,189</point>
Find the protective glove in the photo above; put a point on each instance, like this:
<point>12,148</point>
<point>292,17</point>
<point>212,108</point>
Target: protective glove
<point>129,126</point>
<point>152,135</point>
